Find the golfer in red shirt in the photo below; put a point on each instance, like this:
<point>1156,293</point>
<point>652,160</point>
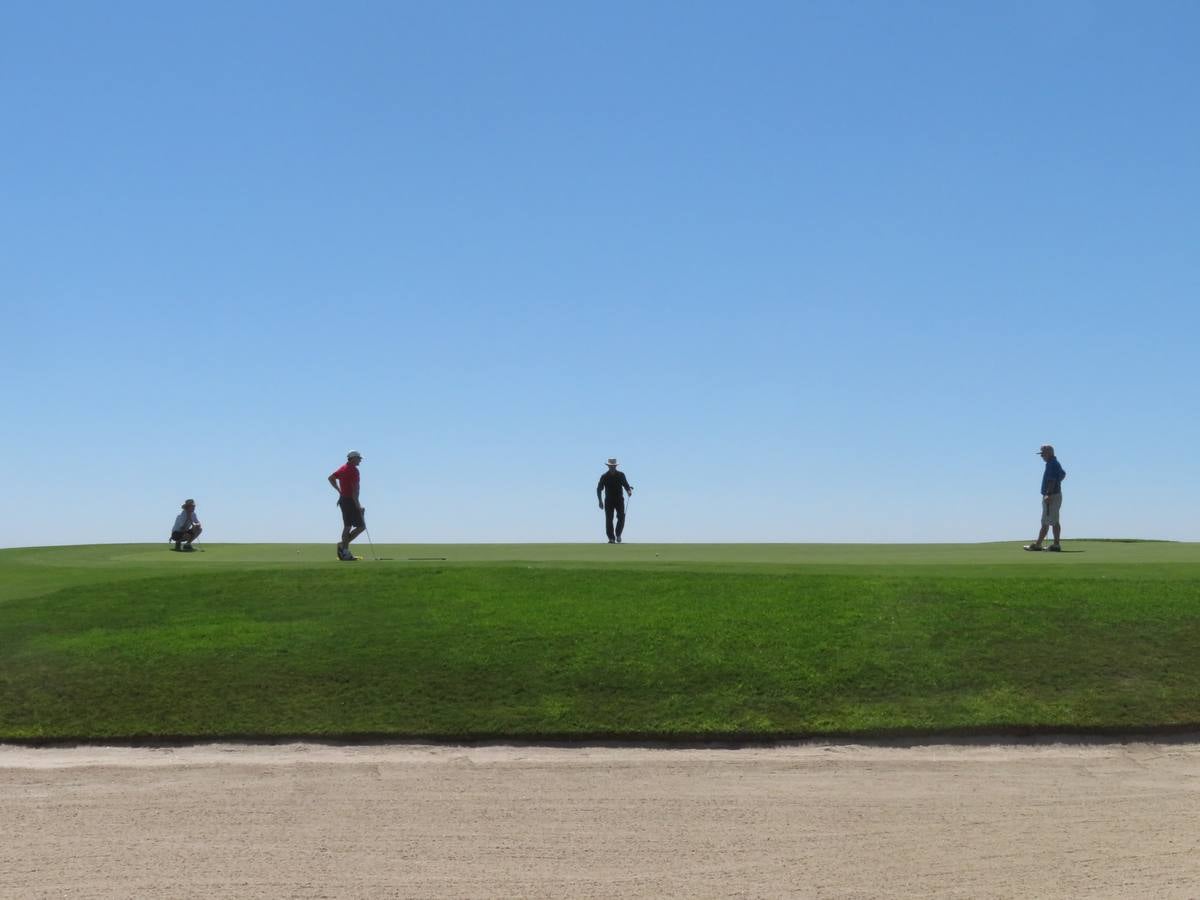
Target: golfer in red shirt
<point>345,482</point>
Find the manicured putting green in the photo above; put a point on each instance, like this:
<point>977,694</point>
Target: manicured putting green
<point>596,641</point>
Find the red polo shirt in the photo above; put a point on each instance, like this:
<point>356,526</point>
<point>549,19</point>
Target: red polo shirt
<point>347,479</point>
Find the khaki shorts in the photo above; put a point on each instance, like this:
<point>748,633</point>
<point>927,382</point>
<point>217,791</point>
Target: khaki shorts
<point>1050,508</point>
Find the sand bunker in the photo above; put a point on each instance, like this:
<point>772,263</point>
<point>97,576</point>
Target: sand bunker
<point>1041,819</point>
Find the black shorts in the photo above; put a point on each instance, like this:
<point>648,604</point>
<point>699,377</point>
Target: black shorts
<point>352,516</point>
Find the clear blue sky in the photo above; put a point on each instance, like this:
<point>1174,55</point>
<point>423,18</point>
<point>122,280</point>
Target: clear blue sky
<point>812,271</point>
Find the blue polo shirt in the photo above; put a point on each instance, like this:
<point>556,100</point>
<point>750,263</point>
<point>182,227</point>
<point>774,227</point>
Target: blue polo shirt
<point>1053,476</point>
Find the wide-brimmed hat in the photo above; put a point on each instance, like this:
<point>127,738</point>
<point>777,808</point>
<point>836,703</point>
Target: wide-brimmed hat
<point>188,502</point>
<point>354,454</point>
<point>612,462</point>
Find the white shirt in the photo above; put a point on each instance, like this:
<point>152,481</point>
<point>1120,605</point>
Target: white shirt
<point>184,520</point>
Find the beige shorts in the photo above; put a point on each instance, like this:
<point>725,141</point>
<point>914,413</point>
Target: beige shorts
<point>1050,508</point>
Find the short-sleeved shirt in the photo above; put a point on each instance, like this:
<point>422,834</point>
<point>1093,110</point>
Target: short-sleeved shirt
<point>611,482</point>
<point>347,479</point>
<point>1053,476</point>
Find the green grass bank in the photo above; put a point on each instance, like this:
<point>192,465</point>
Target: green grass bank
<point>665,642</point>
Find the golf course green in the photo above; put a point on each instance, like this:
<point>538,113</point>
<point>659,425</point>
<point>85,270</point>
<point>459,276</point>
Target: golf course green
<point>672,642</point>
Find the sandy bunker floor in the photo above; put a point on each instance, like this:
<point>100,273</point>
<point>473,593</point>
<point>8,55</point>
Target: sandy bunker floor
<point>1041,819</point>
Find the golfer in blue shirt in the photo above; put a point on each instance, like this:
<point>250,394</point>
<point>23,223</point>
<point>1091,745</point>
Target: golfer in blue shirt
<point>1052,479</point>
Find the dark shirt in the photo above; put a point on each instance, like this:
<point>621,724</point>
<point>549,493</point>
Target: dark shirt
<point>611,483</point>
<point>1053,476</point>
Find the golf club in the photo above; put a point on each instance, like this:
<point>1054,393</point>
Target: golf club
<point>374,556</point>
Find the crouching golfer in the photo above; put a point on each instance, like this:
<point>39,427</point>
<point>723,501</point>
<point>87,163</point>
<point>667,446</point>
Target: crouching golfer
<point>611,484</point>
<point>187,527</point>
<point>1052,479</point>
<point>345,482</point>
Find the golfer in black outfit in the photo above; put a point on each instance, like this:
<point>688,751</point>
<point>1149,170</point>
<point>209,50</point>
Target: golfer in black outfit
<point>612,483</point>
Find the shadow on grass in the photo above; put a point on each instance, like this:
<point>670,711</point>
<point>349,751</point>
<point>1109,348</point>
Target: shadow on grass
<point>1183,733</point>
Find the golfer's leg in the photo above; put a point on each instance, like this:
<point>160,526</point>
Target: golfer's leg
<point>346,526</point>
<point>360,525</point>
<point>620,518</point>
<point>1045,521</point>
<point>608,521</point>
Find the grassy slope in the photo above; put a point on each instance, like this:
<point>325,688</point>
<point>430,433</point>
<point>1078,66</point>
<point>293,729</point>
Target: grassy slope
<point>593,640</point>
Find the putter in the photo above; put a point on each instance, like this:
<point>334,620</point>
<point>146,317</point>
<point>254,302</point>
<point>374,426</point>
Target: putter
<point>374,556</point>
